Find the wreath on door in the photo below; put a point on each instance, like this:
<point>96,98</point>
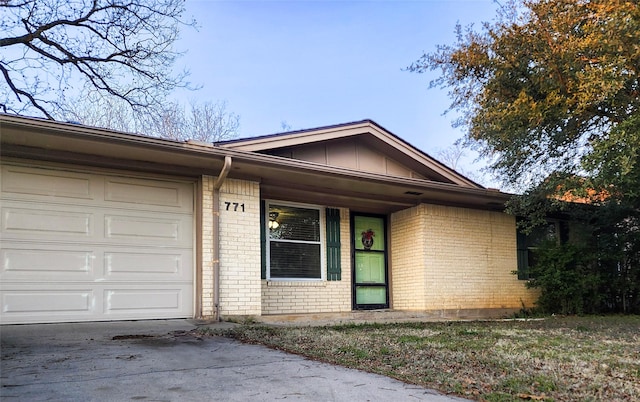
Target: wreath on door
<point>367,239</point>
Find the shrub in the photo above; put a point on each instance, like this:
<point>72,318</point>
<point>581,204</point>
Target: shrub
<point>567,278</point>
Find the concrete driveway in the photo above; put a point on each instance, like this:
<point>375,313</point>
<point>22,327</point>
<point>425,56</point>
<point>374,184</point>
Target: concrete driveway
<point>164,360</point>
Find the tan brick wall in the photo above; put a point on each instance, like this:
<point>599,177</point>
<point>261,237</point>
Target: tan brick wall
<point>240,248</point>
<point>408,259</point>
<point>207,246</point>
<point>467,258</point>
<point>294,297</point>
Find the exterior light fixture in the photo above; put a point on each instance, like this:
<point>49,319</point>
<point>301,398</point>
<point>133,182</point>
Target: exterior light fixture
<point>273,223</point>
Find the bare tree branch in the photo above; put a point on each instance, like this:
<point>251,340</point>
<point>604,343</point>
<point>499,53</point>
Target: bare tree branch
<point>122,48</point>
<point>19,92</point>
<point>206,122</point>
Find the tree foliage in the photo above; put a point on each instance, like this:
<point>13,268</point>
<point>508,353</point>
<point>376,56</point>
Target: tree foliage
<point>550,91</point>
<point>53,50</point>
<point>542,87</point>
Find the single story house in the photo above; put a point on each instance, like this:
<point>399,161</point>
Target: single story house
<point>102,225</point>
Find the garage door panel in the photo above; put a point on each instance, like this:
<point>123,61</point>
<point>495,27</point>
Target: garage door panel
<point>80,246</point>
<point>45,182</point>
<point>45,300</point>
<point>123,301</point>
<point>83,189</point>
<point>47,222</point>
<point>23,262</point>
<point>148,229</point>
<point>33,221</point>
<point>162,265</point>
<point>65,302</point>
<point>147,192</point>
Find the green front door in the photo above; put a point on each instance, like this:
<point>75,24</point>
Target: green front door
<point>370,290</point>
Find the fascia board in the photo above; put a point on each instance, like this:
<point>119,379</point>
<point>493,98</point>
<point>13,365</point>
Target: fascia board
<point>296,138</point>
<point>421,157</point>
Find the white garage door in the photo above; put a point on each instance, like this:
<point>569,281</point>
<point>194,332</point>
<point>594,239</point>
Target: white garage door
<point>80,246</point>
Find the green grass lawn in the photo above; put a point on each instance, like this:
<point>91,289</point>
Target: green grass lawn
<point>554,359</point>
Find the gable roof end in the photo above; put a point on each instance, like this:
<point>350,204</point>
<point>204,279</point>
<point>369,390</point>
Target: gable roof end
<point>394,143</point>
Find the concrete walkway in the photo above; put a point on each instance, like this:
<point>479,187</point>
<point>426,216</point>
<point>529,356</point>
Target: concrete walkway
<point>164,361</point>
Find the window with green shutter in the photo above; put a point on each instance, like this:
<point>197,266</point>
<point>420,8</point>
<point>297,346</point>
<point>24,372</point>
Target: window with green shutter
<point>293,246</point>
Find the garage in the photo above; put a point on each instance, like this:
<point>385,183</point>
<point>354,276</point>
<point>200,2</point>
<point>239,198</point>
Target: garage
<point>94,245</point>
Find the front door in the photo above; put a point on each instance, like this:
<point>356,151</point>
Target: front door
<point>369,260</point>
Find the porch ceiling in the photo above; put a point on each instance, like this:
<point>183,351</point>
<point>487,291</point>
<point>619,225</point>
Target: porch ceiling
<point>360,192</point>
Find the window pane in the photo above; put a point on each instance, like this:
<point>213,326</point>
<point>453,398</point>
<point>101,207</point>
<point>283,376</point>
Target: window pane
<point>368,233</point>
<point>371,295</point>
<point>294,223</point>
<point>369,267</point>
<point>542,234</point>
<point>294,260</point>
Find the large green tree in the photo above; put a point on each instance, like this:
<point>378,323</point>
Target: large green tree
<point>550,92</point>
<point>543,87</point>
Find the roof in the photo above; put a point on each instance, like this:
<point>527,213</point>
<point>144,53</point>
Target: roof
<point>389,142</point>
<point>280,178</point>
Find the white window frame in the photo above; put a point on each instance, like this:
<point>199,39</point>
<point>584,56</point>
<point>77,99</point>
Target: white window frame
<point>322,242</point>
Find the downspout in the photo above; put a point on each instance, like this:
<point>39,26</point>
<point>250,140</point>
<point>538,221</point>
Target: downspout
<point>216,233</point>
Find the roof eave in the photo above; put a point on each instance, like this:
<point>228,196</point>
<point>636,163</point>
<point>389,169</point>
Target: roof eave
<point>42,139</point>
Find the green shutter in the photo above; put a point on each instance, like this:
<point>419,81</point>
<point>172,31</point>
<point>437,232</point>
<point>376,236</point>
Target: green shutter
<point>523,256</point>
<point>333,244</point>
<point>263,241</point>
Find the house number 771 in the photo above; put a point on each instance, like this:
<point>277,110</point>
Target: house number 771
<point>236,205</point>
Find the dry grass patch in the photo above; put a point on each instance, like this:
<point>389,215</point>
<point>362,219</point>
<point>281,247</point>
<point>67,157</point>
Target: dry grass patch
<point>556,359</point>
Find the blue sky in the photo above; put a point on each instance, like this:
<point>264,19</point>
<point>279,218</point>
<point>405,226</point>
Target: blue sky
<point>317,63</point>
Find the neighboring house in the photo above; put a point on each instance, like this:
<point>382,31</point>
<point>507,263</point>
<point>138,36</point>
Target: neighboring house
<point>560,228</point>
<point>102,225</point>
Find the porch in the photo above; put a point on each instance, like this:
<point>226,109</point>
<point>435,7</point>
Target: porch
<point>384,316</point>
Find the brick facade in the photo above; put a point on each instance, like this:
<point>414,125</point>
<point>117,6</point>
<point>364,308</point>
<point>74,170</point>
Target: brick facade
<point>462,259</point>
<point>408,259</point>
<point>240,248</point>
<point>441,258</point>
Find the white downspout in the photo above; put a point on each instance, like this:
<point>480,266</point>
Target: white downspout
<point>216,233</point>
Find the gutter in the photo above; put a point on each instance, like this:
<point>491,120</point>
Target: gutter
<point>216,233</point>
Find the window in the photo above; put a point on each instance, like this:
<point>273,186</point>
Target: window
<point>293,241</point>
<point>528,244</point>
